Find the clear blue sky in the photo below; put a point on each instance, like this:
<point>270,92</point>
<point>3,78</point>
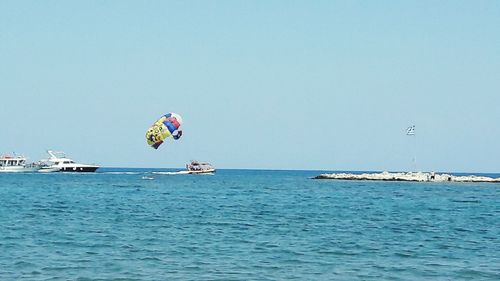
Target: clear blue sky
<point>260,84</point>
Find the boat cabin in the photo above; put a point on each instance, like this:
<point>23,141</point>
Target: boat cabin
<point>196,166</point>
<point>9,161</point>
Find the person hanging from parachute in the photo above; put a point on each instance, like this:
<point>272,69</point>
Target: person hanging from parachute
<point>168,125</point>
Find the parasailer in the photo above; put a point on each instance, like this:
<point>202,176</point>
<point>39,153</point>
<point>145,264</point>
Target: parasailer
<point>168,125</point>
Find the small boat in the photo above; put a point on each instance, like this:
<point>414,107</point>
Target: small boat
<point>58,162</point>
<point>196,167</point>
<point>47,168</point>
<point>16,164</point>
<point>193,168</point>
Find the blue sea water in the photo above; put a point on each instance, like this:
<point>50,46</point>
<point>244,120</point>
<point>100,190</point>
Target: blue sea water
<point>244,225</point>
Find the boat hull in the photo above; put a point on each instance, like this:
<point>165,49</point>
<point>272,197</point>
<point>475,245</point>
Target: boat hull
<point>89,169</point>
<point>209,171</point>
<point>48,170</point>
<point>18,169</point>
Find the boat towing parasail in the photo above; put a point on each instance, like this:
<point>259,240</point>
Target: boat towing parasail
<point>196,167</point>
<point>193,168</point>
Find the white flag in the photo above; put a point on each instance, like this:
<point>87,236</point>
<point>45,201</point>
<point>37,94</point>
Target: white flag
<point>410,131</point>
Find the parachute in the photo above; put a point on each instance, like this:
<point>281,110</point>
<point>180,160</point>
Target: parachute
<point>168,125</point>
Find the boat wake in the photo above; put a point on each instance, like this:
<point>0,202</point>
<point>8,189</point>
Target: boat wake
<point>172,173</point>
<point>121,173</point>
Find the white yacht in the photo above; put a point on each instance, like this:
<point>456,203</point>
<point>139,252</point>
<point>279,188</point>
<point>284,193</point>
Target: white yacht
<point>59,162</point>
<point>16,164</point>
<point>196,167</point>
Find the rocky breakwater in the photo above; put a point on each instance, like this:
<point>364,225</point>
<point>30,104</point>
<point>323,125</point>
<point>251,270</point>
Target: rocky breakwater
<point>407,176</point>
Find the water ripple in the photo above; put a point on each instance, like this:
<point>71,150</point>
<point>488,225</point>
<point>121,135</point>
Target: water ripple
<point>244,225</point>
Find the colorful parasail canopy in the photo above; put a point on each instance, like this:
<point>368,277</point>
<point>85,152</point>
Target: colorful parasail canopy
<point>168,125</point>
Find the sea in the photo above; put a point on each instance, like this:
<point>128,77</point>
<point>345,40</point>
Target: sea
<point>136,224</point>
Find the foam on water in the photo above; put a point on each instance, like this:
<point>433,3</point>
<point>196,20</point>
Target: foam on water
<point>121,173</point>
<point>172,173</point>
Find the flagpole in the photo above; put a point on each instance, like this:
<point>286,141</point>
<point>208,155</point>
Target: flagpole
<point>410,131</point>
<point>415,153</point>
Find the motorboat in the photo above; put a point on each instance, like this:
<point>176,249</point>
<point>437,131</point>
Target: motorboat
<point>58,162</point>
<point>193,168</point>
<point>16,164</point>
<point>196,167</point>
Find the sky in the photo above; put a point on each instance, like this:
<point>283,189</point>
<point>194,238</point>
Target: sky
<point>328,85</point>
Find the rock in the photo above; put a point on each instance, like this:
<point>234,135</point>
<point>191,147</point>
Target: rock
<point>407,176</point>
